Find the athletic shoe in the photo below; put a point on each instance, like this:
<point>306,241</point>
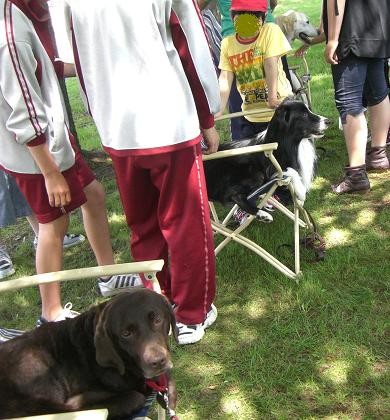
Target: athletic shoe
<point>6,267</point>
<point>8,333</point>
<point>264,217</point>
<point>240,216</point>
<point>70,239</point>
<point>190,334</point>
<point>210,317</point>
<point>64,314</point>
<point>118,283</point>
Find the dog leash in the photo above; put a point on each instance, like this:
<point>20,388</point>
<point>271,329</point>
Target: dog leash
<point>160,386</point>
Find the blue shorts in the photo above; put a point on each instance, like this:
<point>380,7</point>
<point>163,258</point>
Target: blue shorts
<point>358,81</point>
<point>12,202</point>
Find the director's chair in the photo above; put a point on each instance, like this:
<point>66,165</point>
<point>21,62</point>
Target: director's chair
<point>148,268</point>
<point>263,195</point>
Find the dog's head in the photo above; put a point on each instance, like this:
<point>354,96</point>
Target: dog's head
<point>131,332</point>
<point>296,25</point>
<point>295,119</point>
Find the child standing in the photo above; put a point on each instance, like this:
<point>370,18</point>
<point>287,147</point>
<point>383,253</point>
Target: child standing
<point>253,56</point>
<point>152,97</point>
<point>38,149</point>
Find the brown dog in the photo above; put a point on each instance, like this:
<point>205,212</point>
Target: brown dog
<point>99,359</point>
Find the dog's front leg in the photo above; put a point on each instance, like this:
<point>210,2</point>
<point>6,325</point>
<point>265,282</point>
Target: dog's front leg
<point>117,405</point>
<point>299,187</point>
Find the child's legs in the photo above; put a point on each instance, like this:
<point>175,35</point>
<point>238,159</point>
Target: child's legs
<point>184,219</point>
<point>53,224</point>
<point>49,256</point>
<point>96,223</point>
<point>140,202</point>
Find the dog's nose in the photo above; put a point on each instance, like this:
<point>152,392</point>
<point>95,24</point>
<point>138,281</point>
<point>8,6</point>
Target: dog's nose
<point>158,362</point>
<point>318,32</point>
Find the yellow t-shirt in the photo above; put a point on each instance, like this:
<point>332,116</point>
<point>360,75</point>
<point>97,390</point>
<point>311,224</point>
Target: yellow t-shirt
<point>246,62</point>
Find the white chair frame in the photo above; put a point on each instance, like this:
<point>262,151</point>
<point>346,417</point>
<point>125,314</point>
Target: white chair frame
<point>298,216</point>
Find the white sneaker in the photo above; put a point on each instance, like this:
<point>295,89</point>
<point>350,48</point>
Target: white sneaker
<point>190,334</point>
<point>211,317</point>
<point>6,267</point>
<point>8,333</point>
<point>118,283</point>
<point>64,314</point>
<point>70,239</point>
<point>264,217</point>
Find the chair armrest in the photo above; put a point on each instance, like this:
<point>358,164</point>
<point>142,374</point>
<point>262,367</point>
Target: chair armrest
<point>269,147</point>
<point>243,113</point>
<point>152,266</point>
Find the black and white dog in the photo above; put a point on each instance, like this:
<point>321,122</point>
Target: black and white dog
<point>231,180</point>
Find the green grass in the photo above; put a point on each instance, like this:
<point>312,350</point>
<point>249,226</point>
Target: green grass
<point>280,349</point>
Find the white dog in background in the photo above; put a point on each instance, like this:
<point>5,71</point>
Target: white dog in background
<point>296,25</point>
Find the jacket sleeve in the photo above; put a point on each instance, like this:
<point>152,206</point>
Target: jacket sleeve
<point>189,38</point>
<point>20,88</point>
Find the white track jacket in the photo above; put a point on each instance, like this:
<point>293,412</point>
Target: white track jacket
<point>31,105</point>
<point>141,64</point>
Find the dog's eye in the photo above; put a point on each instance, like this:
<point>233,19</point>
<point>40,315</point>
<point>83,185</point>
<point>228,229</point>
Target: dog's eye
<point>127,332</point>
<point>155,318</point>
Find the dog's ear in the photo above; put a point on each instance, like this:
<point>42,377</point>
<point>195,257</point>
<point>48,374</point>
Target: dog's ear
<point>172,319</point>
<point>283,112</point>
<point>106,355</point>
<point>174,329</point>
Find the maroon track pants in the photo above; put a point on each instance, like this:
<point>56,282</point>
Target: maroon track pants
<point>165,201</point>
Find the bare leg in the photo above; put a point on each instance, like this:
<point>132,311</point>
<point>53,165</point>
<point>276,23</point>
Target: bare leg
<point>355,133</point>
<point>49,258</point>
<point>33,223</point>
<point>379,122</point>
<point>96,223</point>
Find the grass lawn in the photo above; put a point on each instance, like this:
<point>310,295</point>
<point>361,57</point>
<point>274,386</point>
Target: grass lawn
<point>313,349</point>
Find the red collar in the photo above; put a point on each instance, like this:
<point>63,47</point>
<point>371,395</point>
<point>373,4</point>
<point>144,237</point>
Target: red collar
<point>158,384</point>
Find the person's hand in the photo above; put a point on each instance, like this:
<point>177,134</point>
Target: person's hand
<point>57,189</point>
<point>218,114</point>
<point>273,102</point>
<point>211,138</point>
<point>330,52</point>
<point>301,51</point>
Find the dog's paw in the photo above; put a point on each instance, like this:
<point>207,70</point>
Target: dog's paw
<point>126,404</point>
<point>299,188</point>
<point>264,217</point>
<point>291,172</point>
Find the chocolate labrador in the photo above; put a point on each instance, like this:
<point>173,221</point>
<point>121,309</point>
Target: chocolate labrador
<point>100,359</point>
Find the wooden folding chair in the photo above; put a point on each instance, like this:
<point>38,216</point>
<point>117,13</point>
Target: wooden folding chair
<point>298,216</point>
<point>147,268</point>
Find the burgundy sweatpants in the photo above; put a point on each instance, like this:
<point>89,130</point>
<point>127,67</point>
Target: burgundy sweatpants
<point>165,201</point>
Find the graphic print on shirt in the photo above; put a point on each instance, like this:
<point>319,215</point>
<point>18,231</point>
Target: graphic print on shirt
<point>249,71</point>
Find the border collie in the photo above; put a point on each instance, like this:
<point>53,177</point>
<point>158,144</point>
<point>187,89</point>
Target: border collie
<point>233,179</point>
